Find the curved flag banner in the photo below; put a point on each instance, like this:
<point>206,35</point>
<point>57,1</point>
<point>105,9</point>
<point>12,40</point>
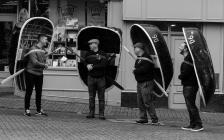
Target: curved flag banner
<point>202,62</point>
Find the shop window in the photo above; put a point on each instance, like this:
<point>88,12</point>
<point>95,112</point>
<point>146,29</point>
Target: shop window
<point>6,8</point>
<point>68,15</point>
<point>217,80</point>
<point>5,28</point>
<point>72,16</point>
<point>65,38</point>
<point>39,8</point>
<point>96,13</point>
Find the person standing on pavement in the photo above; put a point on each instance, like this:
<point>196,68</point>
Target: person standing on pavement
<point>96,64</point>
<point>144,75</point>
<point>190,88</point>
<point>36,63</point>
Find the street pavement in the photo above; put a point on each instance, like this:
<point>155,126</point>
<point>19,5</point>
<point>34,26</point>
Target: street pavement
<point>66,121</point>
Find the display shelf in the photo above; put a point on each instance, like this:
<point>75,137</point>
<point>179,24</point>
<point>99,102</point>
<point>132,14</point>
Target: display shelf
<point>65,39</point>
<point>61,68</point>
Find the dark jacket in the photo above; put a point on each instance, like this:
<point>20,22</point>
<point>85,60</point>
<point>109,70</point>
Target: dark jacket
<point>99,61</point>
<point>36,61</point>
<point>187,73</point>
<point>144,70</point>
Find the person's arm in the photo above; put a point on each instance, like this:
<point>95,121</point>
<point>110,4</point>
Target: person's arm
<point>86,62</point>
<point>144,68</point>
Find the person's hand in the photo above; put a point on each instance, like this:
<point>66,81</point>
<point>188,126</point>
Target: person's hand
<point>133,70</point>
<point>90,67</point>
<point>45,66</point>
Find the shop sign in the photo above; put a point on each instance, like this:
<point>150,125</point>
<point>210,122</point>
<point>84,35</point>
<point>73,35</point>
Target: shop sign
<point>95,14</point>
<point>8,8</point>
<point>68,15</point>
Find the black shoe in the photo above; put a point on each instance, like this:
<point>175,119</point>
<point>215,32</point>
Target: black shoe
<point>27,113</point>
<point>189,127</point>
<point>90,116</point>
<point>102,118</point>
<point>142,121</point>
<point>41,113</point>
<point>197,128</point>
<point>154,122</point>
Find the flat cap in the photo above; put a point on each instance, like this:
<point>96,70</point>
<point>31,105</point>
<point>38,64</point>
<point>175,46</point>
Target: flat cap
<point>94,41</point>
<point>139,45</point>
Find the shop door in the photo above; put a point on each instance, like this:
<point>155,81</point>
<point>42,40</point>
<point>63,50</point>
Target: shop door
<point>6,25</point>
<point>6,28</point>
<point>176,99</point>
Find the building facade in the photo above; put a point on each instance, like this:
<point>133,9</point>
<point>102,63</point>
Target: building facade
<point>170,16</point>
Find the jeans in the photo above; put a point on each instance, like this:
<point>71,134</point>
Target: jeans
<point>145,99</point>
<point>190,93</point>
<point>96,85</point>
<point>31,82</point>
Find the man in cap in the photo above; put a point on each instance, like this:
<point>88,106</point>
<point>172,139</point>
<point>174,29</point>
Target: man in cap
<point>144,75</point>
<point>96,64</point>
<point>190,88</point>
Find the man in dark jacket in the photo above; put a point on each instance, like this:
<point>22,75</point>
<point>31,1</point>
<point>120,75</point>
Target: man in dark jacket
<point>96,64</point>
<point>190,88</point>
<point>144,75</point>
<point>34,74</point>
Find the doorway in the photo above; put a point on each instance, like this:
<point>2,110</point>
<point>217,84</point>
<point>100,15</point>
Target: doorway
<point>176,99</point>
<point>7,22</point>
<point>175,38</point>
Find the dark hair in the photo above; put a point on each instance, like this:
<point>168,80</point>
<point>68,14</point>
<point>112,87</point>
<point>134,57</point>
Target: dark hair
<point>40,36</point>
<point>140,45</point>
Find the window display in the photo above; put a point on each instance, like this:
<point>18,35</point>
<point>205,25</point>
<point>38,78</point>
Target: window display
<point>64,38</point>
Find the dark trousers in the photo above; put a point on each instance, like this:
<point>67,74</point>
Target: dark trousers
<point>31,82</point>
<point>96,85</point>
<point>190,93</point>
<point>145,99</point>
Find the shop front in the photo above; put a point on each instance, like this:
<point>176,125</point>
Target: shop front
<point>62,80</point>
<point>8,16</point>
<point>170,17</point>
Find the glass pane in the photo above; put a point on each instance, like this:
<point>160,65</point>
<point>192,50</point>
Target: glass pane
<point>6,29</point>
<point>8,8</point>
